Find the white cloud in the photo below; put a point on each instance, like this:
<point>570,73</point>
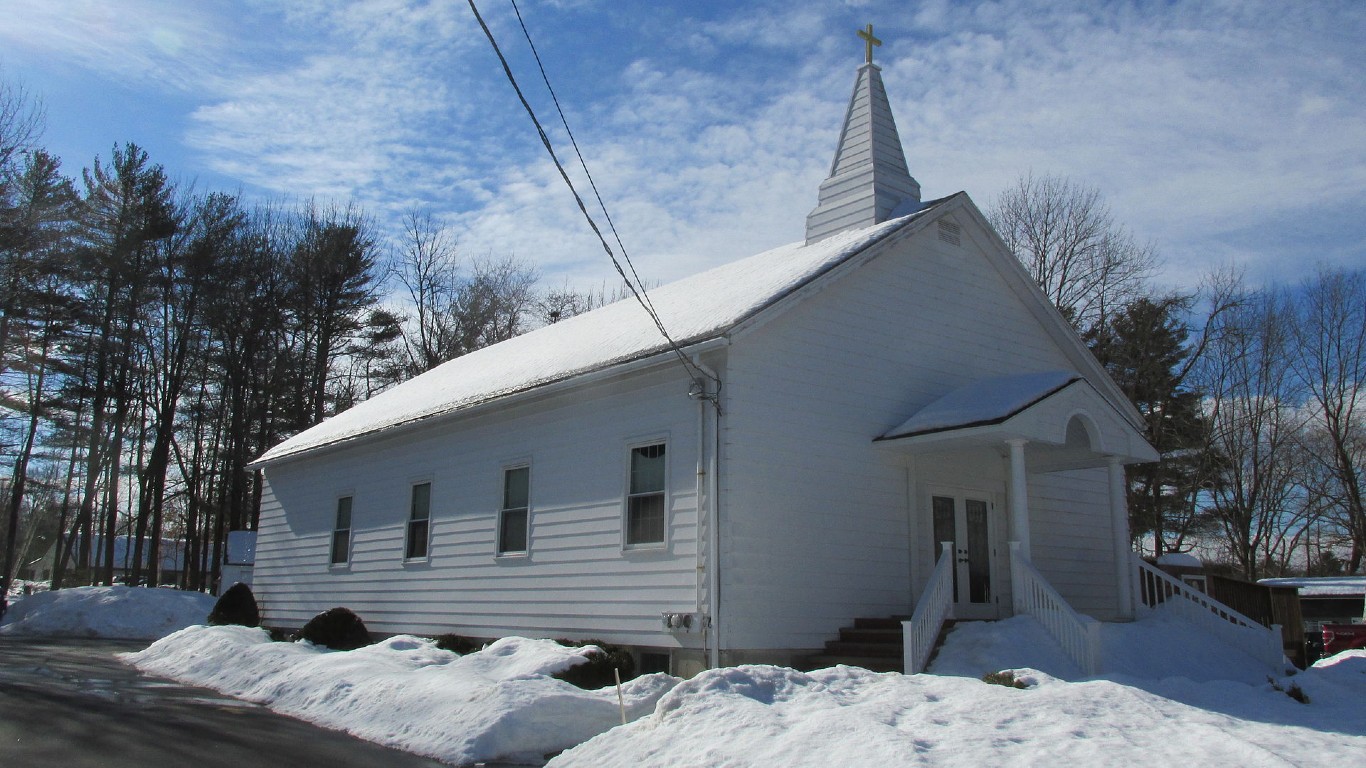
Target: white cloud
<point>1208,125</point>
<point>1192,120</point>
<point>1195,122</point>
<point>169,43</point>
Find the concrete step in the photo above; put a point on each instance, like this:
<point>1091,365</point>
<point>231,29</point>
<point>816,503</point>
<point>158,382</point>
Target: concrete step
<point>878,650</point>
<point>858,635</point>
<point>886,622</point>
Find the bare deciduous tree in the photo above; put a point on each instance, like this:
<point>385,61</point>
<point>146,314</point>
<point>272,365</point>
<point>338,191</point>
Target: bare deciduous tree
<point>1330,362</point>
<point>1253,422</point>
<point>428,267</point>
<point>1065,235</point>
<point>454,311</point>
<point>21,122</point>
<point>563,303</point>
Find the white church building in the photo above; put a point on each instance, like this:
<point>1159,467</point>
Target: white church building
<point>892,381</point>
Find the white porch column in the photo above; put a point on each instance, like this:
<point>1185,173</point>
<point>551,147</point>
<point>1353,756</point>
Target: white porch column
<point>1119,514</point>
<point>1019,496</point>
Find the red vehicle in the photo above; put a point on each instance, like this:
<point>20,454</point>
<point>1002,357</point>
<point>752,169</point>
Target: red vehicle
<point>1343,637</point>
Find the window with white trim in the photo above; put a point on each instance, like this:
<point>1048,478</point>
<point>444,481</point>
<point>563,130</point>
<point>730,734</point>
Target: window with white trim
<point>419,519</point>
<point>645,496</point>
<point>514,514</point>
<point>341,532</point>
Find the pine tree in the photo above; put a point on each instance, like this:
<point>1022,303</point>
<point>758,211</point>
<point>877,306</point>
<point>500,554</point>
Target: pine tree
<point>1146,349</point>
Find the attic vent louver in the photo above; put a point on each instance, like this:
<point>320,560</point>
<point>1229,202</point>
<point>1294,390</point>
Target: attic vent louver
<point>949,232</point>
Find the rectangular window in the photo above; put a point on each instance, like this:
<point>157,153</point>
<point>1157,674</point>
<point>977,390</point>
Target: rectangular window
<point>512,516</point>
<point>645,499</point>
<point>341,532</point>
<point>419,513</point>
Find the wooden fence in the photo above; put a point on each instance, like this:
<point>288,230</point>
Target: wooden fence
<point>1267,605</point>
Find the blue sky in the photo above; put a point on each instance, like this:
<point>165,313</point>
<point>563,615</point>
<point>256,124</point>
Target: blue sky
<point>1227,133</point>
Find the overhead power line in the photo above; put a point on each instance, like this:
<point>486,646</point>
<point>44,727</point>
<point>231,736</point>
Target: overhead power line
<point>582,163</point>
<point>638,292</point>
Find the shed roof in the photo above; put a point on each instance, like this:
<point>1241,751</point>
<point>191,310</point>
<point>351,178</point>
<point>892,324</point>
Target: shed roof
<point>985,401</point>
<point>1322,586</point>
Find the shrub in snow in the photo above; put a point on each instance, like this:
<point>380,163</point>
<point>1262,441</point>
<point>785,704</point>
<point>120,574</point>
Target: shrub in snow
<point>1293,690</point>
<point>236,606</point>
<point>336,628</point>
<point>457,643</point>
<point>597,672</point>
<point>1004,677</point>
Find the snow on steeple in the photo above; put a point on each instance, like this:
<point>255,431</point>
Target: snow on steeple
<point>868,181</point>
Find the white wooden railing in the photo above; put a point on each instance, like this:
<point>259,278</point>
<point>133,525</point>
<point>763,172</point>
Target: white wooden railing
<point>935,605</point>
<point>1078,635</point>
<point>1155,588</point>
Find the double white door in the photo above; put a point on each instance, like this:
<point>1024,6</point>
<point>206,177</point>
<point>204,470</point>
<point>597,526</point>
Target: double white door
<point>966,520</point>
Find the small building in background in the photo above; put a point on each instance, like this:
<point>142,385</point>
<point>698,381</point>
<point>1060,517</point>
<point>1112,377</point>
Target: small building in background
<point>1186,567</point>
<point>1327,599</point>
<point>169,569</point>
<point>239,560</point>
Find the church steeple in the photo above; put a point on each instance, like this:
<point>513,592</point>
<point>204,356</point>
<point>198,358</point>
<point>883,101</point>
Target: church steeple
<point>868,180</point>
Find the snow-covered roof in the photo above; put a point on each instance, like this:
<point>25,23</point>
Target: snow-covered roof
<point>172,552</point>
<point>1322,586</point>
<point>985,401</point>
<point>1180,560</point>
<point>694,309</point>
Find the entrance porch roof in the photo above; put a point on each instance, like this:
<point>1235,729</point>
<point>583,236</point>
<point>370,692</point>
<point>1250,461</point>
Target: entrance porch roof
<point>1065,421</point>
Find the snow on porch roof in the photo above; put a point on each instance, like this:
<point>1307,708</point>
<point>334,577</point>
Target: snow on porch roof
<point>982,402</point>
<point>694,309</point>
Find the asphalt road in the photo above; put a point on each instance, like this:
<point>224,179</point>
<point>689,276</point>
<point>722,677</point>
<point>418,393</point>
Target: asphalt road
<point>70,703</point>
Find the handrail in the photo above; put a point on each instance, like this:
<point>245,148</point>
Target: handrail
<point>1156,588</point>
<point>935,605</point>
<point>1078,635</point>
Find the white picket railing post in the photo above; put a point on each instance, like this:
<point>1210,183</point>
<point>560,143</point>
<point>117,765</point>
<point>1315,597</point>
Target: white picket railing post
<point>1078,635</point>
<point>1156,588</point>
<point>934,606</point>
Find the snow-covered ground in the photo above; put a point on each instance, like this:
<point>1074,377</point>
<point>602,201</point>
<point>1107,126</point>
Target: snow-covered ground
<point>404,692</point>
<point>762,716</point>
<point>132,613</point>
<point>1169,695</point>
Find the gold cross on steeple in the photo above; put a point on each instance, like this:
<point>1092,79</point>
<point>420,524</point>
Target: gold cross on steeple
<point>869,41</point>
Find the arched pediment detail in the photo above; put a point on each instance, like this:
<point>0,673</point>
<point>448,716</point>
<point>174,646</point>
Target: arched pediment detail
<point>1082,432</point>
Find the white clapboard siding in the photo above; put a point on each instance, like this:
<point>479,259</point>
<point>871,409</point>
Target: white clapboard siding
<point>1073,538</point>
<point>815,519</point>
<point>576,580</point>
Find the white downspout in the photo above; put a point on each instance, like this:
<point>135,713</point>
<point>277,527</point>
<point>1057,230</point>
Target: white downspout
<point>712,627</point>
<point>702,494</point>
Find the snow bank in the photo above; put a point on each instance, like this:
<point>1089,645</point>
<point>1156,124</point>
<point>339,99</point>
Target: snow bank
<point>498,703</point>
<point>1162,645</point>
<point>1170,695</point>
<point>1340,677</point>
<point>1165,645</point>
<point>763,716</point>
<point>135,613</point>
<point>21,587</point>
